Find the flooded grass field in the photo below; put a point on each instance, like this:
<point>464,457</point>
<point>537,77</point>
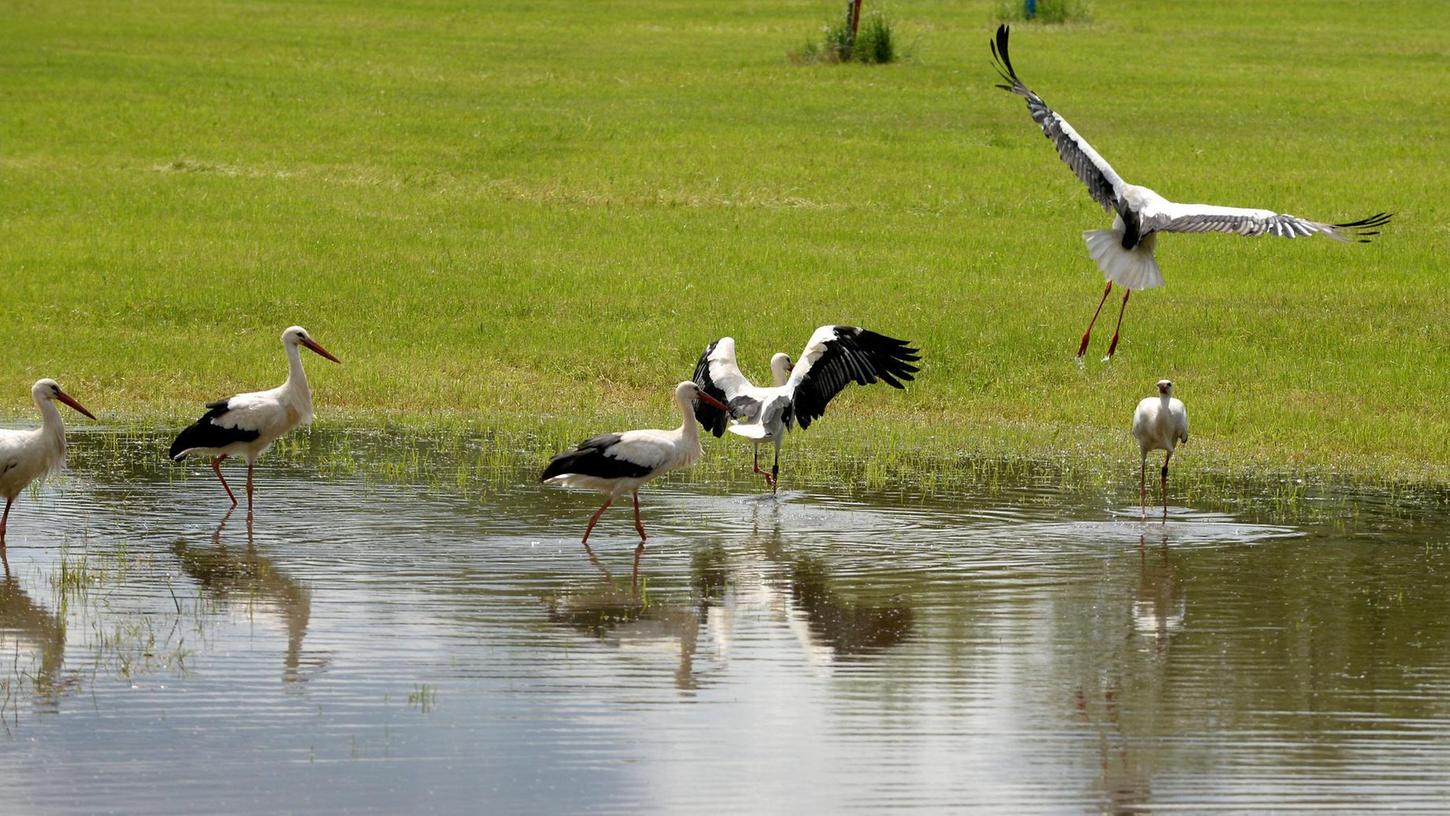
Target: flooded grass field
<point>430,637</point>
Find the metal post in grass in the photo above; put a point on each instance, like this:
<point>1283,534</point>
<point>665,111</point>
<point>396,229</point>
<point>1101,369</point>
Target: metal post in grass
<point>853,23</point>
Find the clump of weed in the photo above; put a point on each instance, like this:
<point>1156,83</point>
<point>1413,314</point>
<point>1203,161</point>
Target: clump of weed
<point>1043,11</point>
<point>874,42</point>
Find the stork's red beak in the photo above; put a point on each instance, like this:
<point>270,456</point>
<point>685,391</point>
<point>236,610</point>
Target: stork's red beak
<point>317,347</point>
<point>69,400</point>
<point>709,400</point>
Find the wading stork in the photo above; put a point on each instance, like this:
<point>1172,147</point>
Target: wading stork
<point>1160,423</point>
<point>619,463</point>
<point>29,455</point>
<point>834,357</point>
<point>246,425</point>
<point>1125,252</point>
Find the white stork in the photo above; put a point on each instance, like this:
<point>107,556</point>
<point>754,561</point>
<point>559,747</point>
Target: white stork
<point>28,455</point>
<point>834,357</point>
<point>246,425</point>
<point>1160,423</point>
<point>619,463</point>
<point>1125,252</point>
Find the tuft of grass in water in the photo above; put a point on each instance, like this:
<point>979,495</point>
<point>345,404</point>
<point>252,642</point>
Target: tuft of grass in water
<point>73,575</point>
<point>1045,11</point>
<point>423,697</point>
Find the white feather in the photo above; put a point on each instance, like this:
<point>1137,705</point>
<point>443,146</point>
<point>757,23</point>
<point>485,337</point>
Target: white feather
<point>1134,268</point>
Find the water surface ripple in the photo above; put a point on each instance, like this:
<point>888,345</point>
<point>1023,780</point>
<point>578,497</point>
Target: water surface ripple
<point>384,646</point>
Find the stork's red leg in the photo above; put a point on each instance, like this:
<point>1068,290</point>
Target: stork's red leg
<point>769,480</point>
<point>249,487</point>
<point>595,517</point>
<point>638,522</point>
<point>1082,347</point>
<point>1143,486</point>
<point>775,468</point>
<point>3,519</point>
<point>1166,457</point>
<point>1113,346</point>
<point>216,466</point>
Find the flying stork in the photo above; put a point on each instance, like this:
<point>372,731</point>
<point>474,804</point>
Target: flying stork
<point>28,455</point>
<point>1159,423</point>
<point>833,358</point>
<point>246,425</point>
<point>618,463</point>
<point>1125,252</point>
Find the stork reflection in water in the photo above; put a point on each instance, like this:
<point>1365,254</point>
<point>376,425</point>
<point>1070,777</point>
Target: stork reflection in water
<point>242,574</point>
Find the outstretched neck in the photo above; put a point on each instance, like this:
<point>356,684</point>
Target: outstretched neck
<point>52,430</point>
<point>688,429</point>
<point>296,377</point>
<point>50,422</point>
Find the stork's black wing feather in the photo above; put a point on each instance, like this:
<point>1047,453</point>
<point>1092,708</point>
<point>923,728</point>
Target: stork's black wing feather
<point>840,355</point>
<point>711,418</point>
<point>1364,228</point>
<point>590,458</point>
<point>1102,181</point>
<point>206,433</point>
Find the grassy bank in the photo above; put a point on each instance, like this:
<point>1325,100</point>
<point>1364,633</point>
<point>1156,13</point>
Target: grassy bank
<point>492,213</point>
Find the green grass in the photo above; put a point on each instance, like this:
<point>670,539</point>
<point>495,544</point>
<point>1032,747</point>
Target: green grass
<point>548,208</point>
<point>1047,11</point>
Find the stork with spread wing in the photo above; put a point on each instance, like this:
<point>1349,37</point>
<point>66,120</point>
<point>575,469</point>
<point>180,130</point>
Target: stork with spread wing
<point>835,357</point>
<point>1125,252</point>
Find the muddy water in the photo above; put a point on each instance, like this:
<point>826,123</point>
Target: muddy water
<point>428,644</point>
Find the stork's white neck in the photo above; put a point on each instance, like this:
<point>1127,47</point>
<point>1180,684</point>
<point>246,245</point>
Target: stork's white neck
<point>49,416</point>
<point>689,430</point>
<point>296,377</point>
<point>780,370</point>
<point>51,429</point>
<point>296,390</point>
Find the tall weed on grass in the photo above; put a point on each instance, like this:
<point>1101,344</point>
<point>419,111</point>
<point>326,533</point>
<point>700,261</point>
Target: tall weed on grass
<point>875,43</point>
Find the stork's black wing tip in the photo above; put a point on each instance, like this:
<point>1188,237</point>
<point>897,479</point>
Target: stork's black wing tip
<point>1366,228</point>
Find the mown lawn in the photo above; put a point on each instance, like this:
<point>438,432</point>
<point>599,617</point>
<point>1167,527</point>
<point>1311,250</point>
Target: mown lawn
<point>491,211</point>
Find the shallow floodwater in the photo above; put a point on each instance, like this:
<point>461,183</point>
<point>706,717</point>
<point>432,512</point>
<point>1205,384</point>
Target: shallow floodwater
<point>372,645</point>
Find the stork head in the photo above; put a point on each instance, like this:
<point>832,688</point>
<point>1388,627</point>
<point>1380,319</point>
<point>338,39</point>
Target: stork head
<point>298,336</point>
<point>47,389</point>
<point>780,366</point>
<point>688,393</point>
<point>1165,387</point>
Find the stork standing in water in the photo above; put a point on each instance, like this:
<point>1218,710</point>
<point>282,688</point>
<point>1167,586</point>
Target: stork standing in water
<point>28,455</point>
<point>1125,252</point>
<point>1160,423</point>
<point>833,358</point>
<point>619,463</point>
<point>246,425</point>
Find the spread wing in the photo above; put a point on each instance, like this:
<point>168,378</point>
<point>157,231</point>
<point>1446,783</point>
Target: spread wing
<point>1174,217</point>
<point>1102,181</point>
<point>718,375</point>
<point>837,356</point>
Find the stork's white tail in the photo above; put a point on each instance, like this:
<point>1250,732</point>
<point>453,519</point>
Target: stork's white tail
<point>1130,268</point>
<point>754,431</point>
